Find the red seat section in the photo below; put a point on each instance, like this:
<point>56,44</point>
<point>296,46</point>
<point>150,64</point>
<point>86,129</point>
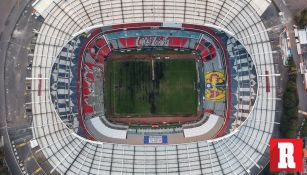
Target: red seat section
<point>211,111</point>
<point>177,41</point>
<point>123,42</point>
<point>267,82</point>
<point>203,50</point>
<point>213,51</point>
<point>207,50</point>
<point>100,42</point>
<point>87,108</point>
<point>84,84</point>
<point>128,42</point>
<point>90,75</point>
<point>100,58</point>
<point>90,65</point>
<point>106,50</point>
<point>174,41</point>
<point>205,53</point>
<point>95,46</point>
<point>92,50</point>
<point>196,46</point>
<point>183,42</point>
<point>203,42</point>
<point>131,42</point>
<point>103,52</point>
<point>85,91</point>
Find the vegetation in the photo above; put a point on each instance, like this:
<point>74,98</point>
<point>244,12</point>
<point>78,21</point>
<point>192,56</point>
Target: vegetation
<point>131,90</point>
<point>266,171</point>
<point>3,168</point>
<point>304,131</point>
<point>301,18</point>
<point>289,121</point>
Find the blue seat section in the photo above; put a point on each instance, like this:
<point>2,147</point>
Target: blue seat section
<point>115,44</point>
<point>74,70</point>
<point>243,76</point>
<point>62,105</point>
<point>192,37</point>
<point>64,79</point>
<point>234,100</point>
<point>153,32</point>
<point>61,96</point>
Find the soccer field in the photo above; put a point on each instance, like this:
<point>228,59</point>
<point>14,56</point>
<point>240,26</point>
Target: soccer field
<point>145,87</point>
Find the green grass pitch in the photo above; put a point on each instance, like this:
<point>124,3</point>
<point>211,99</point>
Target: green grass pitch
<point>131,90</point>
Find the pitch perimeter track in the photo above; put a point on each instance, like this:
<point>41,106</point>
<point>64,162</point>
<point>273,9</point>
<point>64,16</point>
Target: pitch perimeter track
<point>155,119</point>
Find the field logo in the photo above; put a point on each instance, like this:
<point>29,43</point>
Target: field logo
<point>286,155</point>
<point>215,86</point>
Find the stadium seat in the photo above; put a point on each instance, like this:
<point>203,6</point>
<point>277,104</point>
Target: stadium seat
<point>100,42</point>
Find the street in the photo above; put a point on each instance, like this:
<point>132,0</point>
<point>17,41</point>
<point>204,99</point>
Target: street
<point>299,79</point>
<point>16,26</point>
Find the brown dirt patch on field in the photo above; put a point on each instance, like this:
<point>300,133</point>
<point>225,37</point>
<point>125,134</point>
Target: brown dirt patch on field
<point>150,56</point>
<point>155,119</point>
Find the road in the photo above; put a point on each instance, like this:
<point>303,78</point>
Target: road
<point>16,27</point>
<point>6,29</point>
<point>5,9</point>
<point>295,6</point>
<point>299,79</point>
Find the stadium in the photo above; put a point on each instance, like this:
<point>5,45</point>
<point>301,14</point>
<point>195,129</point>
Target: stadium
<point>153,87</point>
<point>144,76</point>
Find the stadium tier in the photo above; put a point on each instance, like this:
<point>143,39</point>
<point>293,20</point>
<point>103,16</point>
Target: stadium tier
<point>225,41</point>
<point>96,52</point>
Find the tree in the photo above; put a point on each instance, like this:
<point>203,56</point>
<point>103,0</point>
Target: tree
<point>301,18</point>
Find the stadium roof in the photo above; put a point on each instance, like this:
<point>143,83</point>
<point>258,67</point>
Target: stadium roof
<point>243,152</point>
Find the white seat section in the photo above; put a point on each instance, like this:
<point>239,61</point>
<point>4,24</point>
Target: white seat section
<point>103,129</point>
<point>213,123</point>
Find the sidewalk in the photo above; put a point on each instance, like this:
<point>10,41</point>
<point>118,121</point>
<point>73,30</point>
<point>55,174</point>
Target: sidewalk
<point>5,9</point>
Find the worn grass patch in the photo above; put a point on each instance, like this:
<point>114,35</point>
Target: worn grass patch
<point>145,87</point>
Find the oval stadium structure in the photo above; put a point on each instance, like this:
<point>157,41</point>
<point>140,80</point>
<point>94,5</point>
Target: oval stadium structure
<point>153,86</point>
